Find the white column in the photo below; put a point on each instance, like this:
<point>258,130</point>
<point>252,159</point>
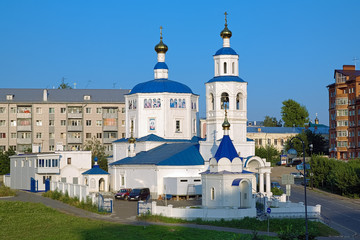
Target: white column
<point>268,187</point>
<point>261,182</point>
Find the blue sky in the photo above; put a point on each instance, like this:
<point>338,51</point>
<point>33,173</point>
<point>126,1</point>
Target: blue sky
<point>287,49</point>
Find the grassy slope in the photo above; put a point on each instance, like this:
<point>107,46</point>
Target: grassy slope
<point>22,220</point>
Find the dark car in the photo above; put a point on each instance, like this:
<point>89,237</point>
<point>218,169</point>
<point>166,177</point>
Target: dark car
<point>123,193</point>
<point>139,194</point>
<point>294,163</point>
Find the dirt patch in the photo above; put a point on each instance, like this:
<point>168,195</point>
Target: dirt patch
<point>278,171</point>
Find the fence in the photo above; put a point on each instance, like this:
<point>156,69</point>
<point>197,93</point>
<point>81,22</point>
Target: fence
<point>74,190</point>
<point>104,205</point>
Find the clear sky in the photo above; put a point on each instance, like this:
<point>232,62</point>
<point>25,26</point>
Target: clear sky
<point>287,49</point>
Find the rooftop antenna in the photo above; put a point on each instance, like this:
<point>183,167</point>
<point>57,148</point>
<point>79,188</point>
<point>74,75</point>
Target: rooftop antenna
<point>74,85</point>
<point>355,59</point>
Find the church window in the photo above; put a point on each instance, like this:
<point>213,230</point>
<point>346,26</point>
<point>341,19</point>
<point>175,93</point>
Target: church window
<point>224,100</point>
<point>212,193</point>
<point>217,69</point>
<point>211,101</point>
<point>177,126</point>
<point>233,68</point>
<point>239,101</point>
<point>225,67</point>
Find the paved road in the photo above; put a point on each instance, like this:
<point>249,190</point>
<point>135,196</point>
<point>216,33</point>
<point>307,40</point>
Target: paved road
<point>340,213</point>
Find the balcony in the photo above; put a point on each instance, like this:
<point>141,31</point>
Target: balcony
<point>24,128</point>
<point>74,128</point>
<point>23,141</point>
<point>47,170</point>
<point>110,128</point>
<point>23,115</point>
<point>108,140</point>
<point>109,115</point>
<point>74,140</point>
<point>75,115</point>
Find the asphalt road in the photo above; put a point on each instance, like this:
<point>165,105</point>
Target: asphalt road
<point>340,213</point>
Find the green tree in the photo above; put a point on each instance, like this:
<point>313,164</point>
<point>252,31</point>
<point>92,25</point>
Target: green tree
<point>269,152</point>
<point>5,161</point>
<point>272,122</point>
<point>293,114</point>
<point>97,150</point>
<point>64,85</point>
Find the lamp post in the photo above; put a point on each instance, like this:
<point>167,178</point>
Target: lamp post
<point>293,153</point>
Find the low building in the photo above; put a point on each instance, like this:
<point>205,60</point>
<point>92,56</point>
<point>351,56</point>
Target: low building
<point>32,171</point>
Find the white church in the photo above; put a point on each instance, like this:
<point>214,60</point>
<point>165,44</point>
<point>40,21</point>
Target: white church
<point>162,150</point>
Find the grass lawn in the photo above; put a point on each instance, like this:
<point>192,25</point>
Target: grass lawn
<point>276,225</point>
<point>23,220</point>
<point>6,191</point>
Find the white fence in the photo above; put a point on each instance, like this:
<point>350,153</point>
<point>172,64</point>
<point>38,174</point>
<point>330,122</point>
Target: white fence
<point>74,190</point>
<point>7,180</point>
<point>295,210</point>
<point>191,213</point>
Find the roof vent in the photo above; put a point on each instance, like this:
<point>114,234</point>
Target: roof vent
<point>9,97</point>
<point>45,95</point>
<point>87,97</point>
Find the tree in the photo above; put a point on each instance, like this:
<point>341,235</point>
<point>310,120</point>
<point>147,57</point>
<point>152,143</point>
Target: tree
<point>97,150</point>
<point>64,85</point>
<point>320,144</point>
<point>269,152</point>
<point>272,122</point>
<point>293,114</point>
<point>5,161</point>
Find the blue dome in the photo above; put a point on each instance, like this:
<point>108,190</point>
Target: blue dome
<point>161,85</point>
<point>161,65</point>
<point>226,79</point>
<point>226,51</point>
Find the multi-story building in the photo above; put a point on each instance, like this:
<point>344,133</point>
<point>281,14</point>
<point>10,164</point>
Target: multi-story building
<point>60,119</point>
<point>344,113</point>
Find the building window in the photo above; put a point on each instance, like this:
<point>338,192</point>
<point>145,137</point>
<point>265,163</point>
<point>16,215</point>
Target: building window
<point>2,110</point>
<point>75,110</point>
<point>225,67</point>
<point>275,142</point>
<point>62,110</point>
<point>98,135</point>
<point>13,123</point>
<point>269,141</point>
<point>63,122</point>
<point>212,193</point>
<point>224,100</point>
<point>68,161</point>
<point>88,135</point>
<point>88,122</point>
<point>51,122</point>
<point>13,135</point>
<point>99,123</point>
<point>51,148</point>
<point>51,110</point>
<point>2,122</point>
<point>122,110</point>
<point>62,135</point>
<point>122,122</point>
<point>2,135</point>
<point>177,126</point>
<point>122,180</point>
<point>233,68</point>
<point>75,123</point>
<point>98,110</point>
<point>38,110</point>
<point>88,110</point>
<point>75,180</point>
<point>51,135</point>
<point>212,103</point>
<point>123,135</point>
<point>13,110</point>
<point>38,135</point>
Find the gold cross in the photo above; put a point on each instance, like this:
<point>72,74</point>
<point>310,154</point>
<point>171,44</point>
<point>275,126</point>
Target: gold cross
<point>225,17</point>
<point>161,32</point>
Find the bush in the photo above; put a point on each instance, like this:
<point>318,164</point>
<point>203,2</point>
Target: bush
<point>6,191</point>
<point>277,191</point>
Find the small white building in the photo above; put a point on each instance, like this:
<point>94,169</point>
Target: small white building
<point>64,166</point>
<point>96,179</point>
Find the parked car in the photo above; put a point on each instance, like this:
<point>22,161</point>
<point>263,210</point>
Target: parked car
<point>139,194</point>
<point>123,193</point>
<point>294,163</point>
<point>297,174</point>
<point>275,185</point>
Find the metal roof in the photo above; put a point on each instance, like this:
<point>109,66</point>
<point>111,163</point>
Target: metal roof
<point>318,129</point>
<point>155,138</point>
<point>226,79</point>
<point>31,95</point>
<point>225,51</point>
<point>95,170</point>
<point>175,154</point>
<point>226,172</point>
<point>226,149</point>
<point>161,85</point>
<point>161,65</point>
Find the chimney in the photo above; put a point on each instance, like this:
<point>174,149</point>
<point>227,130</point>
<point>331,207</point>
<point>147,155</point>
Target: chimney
<point>45,95</point>
<point>349,67</point>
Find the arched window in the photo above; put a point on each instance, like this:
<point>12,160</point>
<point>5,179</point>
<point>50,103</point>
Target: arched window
<point>212,193</point>
<point>224,100</point>
<point>239,101</point>
<point>217,69</point>
<point>225,67</point>
<point>212,101</point>
<point>233,68</point>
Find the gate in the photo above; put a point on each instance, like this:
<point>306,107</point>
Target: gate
<point>47,184</point>
<point>104,205</point>
<point>143,208</point>
<point>33,185</point>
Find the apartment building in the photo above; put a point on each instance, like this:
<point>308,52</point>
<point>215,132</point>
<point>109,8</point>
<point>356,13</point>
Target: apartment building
<point>60,119</point>
<point>344,113</point>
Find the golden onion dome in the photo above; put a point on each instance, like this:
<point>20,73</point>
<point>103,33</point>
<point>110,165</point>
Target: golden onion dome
<point>161,47</point>
<point>226,33</point>
<point>132,140</point>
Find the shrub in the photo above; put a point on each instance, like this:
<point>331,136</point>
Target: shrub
<point>6,191</point>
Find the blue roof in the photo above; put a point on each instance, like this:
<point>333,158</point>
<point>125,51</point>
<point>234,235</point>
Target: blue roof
<point>155,138</point>
<point>173,154</point>
<point>236,182</point>
<point>225,172</point>
<point>161,65</point>
<point>160,85</point>
<point>95,170</point>
<point>225,51</point>
<point>226,79</point>
<point>226,149</point>
<point>297,130</point>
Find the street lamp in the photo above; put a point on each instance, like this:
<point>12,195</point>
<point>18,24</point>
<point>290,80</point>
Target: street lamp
<point>293,153</point>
